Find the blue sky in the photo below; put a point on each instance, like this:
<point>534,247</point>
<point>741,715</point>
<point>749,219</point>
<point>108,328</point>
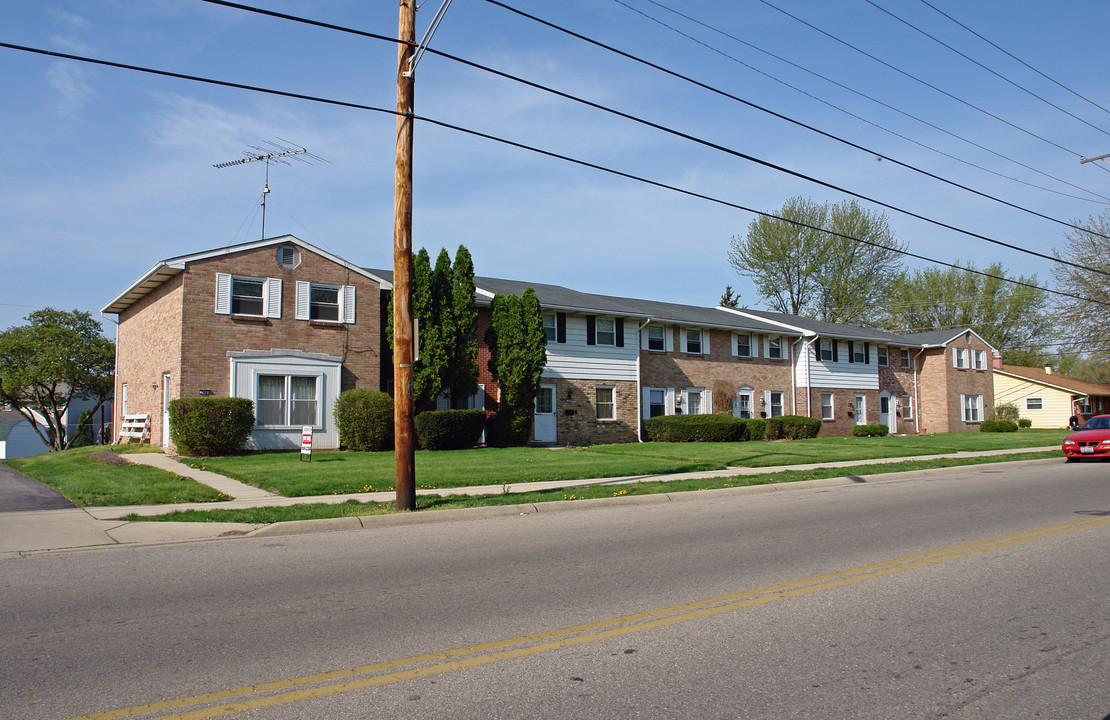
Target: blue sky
<point>106,171</point>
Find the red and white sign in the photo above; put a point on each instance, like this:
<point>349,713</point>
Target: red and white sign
<point>306,440</point>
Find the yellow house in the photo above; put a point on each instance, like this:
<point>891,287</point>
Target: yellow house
<point>1047,398</point>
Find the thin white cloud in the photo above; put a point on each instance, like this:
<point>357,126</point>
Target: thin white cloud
<point>69,82</point>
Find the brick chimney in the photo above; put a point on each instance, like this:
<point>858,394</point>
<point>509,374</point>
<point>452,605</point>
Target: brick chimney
<point>1047,369</point>
<point>997,360</point>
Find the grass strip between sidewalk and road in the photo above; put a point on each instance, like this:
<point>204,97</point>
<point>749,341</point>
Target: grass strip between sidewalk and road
<point>338,473</point>
<point>601,489</point>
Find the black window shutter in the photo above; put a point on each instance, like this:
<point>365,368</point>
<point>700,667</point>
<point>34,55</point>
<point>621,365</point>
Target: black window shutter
<point>851,352</point>
<point>836,355</point>
<point>620,332</point>
<point>591,330</point>
<point>817,349</point>
<point>560,327</point>
<point>867,353</point>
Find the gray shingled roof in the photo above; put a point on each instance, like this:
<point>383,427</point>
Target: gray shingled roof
<point>935,337</point>
<point>834,330</point>
<point>557,297</point>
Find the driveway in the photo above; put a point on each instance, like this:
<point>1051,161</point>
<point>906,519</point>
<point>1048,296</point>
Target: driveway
<point>19,492</point>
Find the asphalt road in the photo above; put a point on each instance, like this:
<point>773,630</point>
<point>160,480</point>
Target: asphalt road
<point>979,594</point>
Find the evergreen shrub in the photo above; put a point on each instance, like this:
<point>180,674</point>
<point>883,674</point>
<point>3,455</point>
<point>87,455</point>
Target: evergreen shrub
<point>365,419</point>
<point>876,430</point>
<point>696,428</point>
<point>449,429</point>
<point>210,427</point>
<point>1025,423</point>
<point>998,426</point>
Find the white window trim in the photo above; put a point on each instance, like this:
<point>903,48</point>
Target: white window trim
<point>907,407</point>
<point>980,359</point>
<point>859,406</point>
<point>767,347</point>
<point>905,358</point>
<point>668,401</point>
<point>1040,403</point>
<point>271,295</point>
<point>706,398</point>
<point>597,415</point>
<point>668,342</point>
<point>749,393</point>
<point>318,377</point>
<point>978,406</point>
<point>769,412</point>
<point>702,333</point>
<point>821,350</point>
<point>346,297</point>
<point>736,345</point>
<point>597,331</point>
<point>882,354</point>
<point>551,331</point>
<point>960,358</point>
<point>832,406</point>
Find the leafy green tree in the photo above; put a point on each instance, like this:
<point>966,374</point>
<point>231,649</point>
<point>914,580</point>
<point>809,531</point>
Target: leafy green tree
<point>59,356</point>
<point>1083,324</point>
<point>517,345</point>
<point>812,261</point>
<point>1010,317</point>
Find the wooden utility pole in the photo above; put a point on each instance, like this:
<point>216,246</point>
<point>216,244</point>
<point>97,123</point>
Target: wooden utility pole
<point>403,428</point>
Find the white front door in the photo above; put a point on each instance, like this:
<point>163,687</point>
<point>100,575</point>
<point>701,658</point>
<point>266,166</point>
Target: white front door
<point>884,412</point>
<point>545,414</point>
<point>165,410</point>
<point>861,409</point>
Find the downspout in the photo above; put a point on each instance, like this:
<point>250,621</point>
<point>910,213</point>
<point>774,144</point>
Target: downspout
<point>916,398</point>
<point>639,382</point>
<point>806,345</point>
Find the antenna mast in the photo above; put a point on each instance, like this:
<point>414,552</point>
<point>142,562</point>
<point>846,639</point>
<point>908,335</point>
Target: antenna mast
<point>275,153</point>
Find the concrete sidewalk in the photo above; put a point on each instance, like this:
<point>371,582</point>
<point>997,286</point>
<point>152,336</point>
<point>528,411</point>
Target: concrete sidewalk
<point>33,531</point>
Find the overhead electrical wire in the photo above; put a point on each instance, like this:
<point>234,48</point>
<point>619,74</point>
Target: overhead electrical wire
<point>916,79</point>
<point>538,151</point>
<point>1014,57</point>
<point>865,96</point>
<point>984,67</point>
<point>754,159</point>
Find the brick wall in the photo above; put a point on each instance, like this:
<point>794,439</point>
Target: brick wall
<point>718,371</point>
<point>940,386</point>
<point>207,337</point>
<point>148,344</point>
<point>576,414</point>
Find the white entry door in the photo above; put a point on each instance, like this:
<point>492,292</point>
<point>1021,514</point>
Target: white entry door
<point>884,412</point>
<point>165,410</point>
<point>545,414</point>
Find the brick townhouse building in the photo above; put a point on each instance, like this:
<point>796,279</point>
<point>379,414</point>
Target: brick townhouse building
<point>290,326</point>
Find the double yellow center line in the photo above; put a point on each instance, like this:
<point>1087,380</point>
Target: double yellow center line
<point>307,687</point>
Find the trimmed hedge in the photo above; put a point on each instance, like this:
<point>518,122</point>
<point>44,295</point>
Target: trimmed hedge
<point>876,430</point>
<point>696,428</point>
<point>365,419</point>
<point>210,427</point>
<point>449,429</point>
<point>757,429</point>
<point>1025,423</point>
<point>998,426</point>
<point>792,427</point>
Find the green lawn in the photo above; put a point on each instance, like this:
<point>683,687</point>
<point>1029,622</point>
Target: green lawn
<point>353,508</point>
<point>343,472</point>
<point>82,476</point>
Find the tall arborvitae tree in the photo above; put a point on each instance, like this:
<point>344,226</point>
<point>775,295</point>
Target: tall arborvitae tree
<point>447,351</point>
<point>517,345</point>
<point>463,355</point>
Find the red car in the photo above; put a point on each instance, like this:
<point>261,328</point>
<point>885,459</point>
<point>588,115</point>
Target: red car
<point>1091,440</point>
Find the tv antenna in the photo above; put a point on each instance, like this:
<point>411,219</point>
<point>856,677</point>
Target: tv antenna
<point>274,153</point>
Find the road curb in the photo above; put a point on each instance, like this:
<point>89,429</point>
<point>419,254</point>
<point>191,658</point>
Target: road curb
<point>370,522</point>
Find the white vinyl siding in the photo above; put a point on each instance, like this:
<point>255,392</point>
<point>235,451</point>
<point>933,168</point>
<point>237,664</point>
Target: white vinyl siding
<point>576,360</point>
<point>289,391</point>
<point>840,374</point>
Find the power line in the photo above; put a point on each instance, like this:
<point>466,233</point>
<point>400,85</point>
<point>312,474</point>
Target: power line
<point>538,151</point>
<point>984,67</point>
<point>919,80</point>
<point>1014,57</point>
<point>758,161</point>
<point>865,96</point>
